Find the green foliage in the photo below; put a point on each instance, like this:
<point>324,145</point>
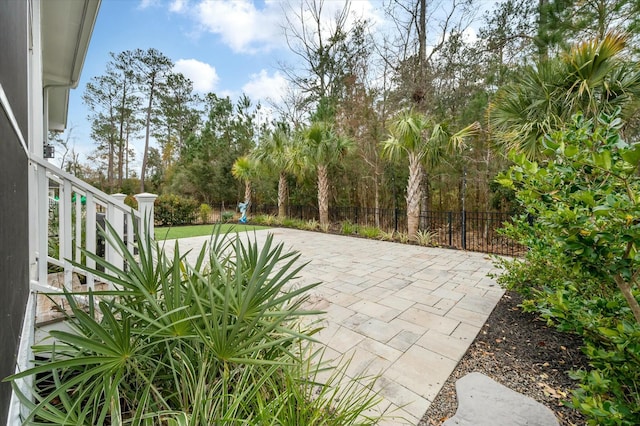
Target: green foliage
<point>387,236</point>
<point>175,210</point>
<point>219,341</point>
<point>205,213</point>
<point>227,216</point>
<point>131,201</point>
<point>311,225</point>
<point>348,228</point>
<point>369,231</point>
<point>426,238</point>
<point>402,237</point>
<point>582,268</point>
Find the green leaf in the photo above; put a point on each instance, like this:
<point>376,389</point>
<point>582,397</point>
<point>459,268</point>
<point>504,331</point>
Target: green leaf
<point>632,155</point>
<point>602,159</point>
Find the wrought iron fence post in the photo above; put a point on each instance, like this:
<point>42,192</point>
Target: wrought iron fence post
<point>464,230</point>
<point>395,219</point>
<point>450,220</point>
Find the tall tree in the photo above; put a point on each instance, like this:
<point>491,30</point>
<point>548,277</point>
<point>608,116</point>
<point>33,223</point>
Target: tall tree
<point>325,46</point>
<point>245,169</point>
<point>102,97</point>
<point>178,117</point>
<point>121,67</point>
<point>152,69</point>
<point>424,143</point>
<point>204,168</point>
<point>275,151</point>
<point>323,148</point>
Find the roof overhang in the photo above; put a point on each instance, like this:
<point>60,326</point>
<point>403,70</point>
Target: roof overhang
<point>66,27</point>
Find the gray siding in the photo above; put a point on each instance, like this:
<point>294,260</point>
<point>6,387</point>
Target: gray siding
<point>14,225</point>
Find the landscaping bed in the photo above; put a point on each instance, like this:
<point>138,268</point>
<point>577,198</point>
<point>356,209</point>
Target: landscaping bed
<point>520,351</point>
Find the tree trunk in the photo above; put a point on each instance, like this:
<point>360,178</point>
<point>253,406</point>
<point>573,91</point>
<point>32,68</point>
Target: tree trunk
<point>413,195</point>
<point>145,155</point>
<point>282,195</point>
<point>323,195</point>
<point>247,192</point>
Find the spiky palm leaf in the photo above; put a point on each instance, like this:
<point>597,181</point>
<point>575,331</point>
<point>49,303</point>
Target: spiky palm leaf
<point>591,78</point>
<point>424,143</point>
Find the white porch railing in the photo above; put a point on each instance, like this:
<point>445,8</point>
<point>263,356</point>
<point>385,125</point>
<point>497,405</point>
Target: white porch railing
<point>69,214</point>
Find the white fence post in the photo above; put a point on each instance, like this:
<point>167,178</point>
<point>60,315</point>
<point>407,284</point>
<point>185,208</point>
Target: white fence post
<point>145,207</point>
<point>117,221</point>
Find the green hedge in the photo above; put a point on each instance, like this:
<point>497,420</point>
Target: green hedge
<point>175,210</point>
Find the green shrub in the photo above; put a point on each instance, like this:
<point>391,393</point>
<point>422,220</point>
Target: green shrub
<point>369,231</point>
<point>387,236</point>
<point>265,219</point>
<point>348,228</point>
<point>205,213</point>
<point>311,225</point>
<point>582,268</point>
<point>175,210</point>
<point>426,238</point>
<point>227,216</point>
<point>131,201</point>
<point>219,341</point>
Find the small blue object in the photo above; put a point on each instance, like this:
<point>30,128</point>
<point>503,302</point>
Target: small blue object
<point>243,210</point>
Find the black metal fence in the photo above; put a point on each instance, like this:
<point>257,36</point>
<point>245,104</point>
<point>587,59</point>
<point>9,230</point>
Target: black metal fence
<point>469,230</point>
<point>473,231</point>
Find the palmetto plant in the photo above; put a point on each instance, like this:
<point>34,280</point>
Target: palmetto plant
<point>322,148</point>
<point>214,342</point>
<point>245,169</point>
<point>424,143</point>
<point>592,78</point>
<point>276,151</point>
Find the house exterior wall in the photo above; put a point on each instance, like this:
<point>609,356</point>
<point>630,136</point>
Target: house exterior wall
<point>14,168</point>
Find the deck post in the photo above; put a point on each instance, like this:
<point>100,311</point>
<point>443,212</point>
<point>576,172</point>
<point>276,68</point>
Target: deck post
<point>145,207</point>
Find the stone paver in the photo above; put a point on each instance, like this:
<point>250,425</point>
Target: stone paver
<point>405,312</point>
<point>484,402</point>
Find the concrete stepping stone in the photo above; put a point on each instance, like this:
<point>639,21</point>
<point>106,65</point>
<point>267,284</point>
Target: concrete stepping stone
<point>484,402</point>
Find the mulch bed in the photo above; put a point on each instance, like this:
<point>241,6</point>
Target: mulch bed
<point>520,351</point>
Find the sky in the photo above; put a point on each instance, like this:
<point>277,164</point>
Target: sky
<point>228,47</point>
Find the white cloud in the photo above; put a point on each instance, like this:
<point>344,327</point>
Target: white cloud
<point>147,3</point>
<point>248,28</point>
<point>240,24</point>
<point>177,6</point>
<point>262,87</point>
<point>204,76</point>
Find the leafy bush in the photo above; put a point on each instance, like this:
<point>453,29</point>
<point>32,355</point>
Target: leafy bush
<point>387,236</point>
<point>204,212</point>
<point>369,231</point>
<point>348,228</point>
<point>217,342</point>
<point>131,201</point>
<point>582,268</point>
<point>426,238</point>
<point>311,225</point>
<point>266,219</point>
<point>175,210</point>
<point>402,237</point>
<point>227,216</point>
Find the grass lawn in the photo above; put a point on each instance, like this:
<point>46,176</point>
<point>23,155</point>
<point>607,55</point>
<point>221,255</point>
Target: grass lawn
<point>199,230</point>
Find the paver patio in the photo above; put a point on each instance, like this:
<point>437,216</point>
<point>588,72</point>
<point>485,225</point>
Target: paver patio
<point>405,312</point>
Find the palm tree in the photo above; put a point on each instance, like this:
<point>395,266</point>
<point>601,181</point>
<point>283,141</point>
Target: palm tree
<point>245,169</point>
<point>275,151</point>
<point>593,77</point>
<point>424,143</point>
<point>322,148</point>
